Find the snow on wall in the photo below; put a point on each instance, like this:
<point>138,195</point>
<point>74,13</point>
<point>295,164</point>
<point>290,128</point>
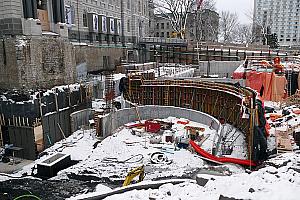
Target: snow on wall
<point>115,120</point>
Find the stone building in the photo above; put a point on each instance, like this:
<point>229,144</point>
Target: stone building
<point>44,42</point>
<point>202,26</point>
<point>104,21</point>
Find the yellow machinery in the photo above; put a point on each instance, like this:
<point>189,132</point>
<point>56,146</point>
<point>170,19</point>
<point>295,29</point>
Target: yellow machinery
<point>139,171</point>
<point>175,34</point>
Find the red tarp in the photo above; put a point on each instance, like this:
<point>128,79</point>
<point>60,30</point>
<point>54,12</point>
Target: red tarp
<point>273,86</point>
<point>222,159</point>
<point>152,126</point>
<point>238,75</point>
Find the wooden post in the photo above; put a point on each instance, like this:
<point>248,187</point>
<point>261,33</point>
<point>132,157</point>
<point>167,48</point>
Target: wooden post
<point>63,134</point>
<point>56,101</point>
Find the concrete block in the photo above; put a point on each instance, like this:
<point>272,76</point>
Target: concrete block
<point>227,198</point>
<point>201,181</point>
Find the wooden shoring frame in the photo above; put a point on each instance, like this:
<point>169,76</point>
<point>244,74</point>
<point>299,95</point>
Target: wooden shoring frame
<point>215,99</point>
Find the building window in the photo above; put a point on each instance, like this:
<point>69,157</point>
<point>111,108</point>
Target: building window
<point>84,19</point>
<point>42,4</point>
<point>157,26</point>
<point>70,15</point>
<point>162,26</point>
<point>168,34</point>
<point>157,34</point>
<point>162,34</point>
<point>139,6</point>
<point>168,25</point>
<point>128,25</point>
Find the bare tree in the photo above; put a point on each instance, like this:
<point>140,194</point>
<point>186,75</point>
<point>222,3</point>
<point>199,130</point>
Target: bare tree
<point>228,25</point>
<point>177,12</point>
<point>202,18</point>
<point>244,34</point>
<point>261,26</point>
<point>208,4</point>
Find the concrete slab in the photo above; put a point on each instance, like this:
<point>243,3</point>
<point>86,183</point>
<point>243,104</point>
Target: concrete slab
<point>12,168</point>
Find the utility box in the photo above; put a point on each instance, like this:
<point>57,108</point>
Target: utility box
<point>52,165</point>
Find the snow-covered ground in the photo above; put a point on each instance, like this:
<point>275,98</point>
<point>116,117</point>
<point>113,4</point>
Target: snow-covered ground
<point>110,161</point>
<point>173,70</point>
<point>278,180</point>
<point>281,181</point>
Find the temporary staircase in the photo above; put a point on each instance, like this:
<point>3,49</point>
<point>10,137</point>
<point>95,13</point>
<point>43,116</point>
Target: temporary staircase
<point>109,91</point>
<point>2,123</point>
<point>289,80</point>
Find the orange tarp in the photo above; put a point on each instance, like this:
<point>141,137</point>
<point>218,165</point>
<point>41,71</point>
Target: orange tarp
<point>254,80</point>
<point>299,81</point>
<point>273,85</point>
<point>278,88</point>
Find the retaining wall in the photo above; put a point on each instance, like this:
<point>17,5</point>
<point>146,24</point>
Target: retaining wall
<point>221,68</point>
<point>113,121</point>
<point>81,118</point>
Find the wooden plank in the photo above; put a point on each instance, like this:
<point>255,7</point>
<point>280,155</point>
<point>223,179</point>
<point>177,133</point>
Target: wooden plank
<point>283,142</point>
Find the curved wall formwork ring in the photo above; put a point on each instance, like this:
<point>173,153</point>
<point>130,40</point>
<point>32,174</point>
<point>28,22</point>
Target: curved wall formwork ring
<point>220,100</point>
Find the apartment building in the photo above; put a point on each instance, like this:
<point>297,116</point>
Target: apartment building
<point>278,16</point>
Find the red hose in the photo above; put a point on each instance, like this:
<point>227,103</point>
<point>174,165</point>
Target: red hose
<point>205,154</point>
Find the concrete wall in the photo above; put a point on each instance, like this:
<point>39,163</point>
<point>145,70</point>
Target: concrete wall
<point>93,57</point>
<point>221,68</point>
<point>113,121</point>
<point>47,61</point>
<point>141,66</point>
<point>81,118</point>
<point>41,62</point>
<point>8,64</point>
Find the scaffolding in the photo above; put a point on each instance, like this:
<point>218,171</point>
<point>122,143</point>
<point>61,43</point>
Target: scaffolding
<point>109,91</point>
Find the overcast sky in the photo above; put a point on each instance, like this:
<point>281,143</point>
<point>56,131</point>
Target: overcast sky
<point>239,6</point>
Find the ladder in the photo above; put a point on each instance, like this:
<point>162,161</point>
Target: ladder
<point>289,80</point>
<point>109,91</point>
<point>2,123</point>
<point>166,96</point>
<point>1,137</point>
